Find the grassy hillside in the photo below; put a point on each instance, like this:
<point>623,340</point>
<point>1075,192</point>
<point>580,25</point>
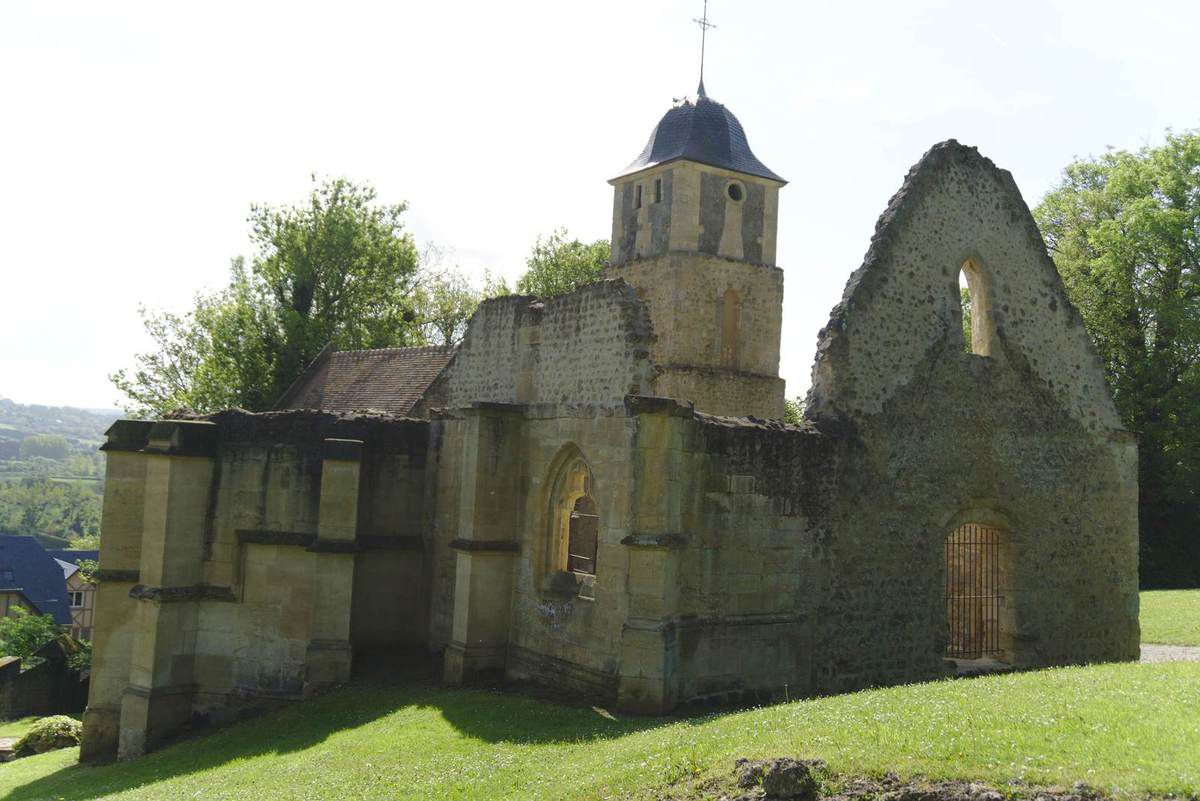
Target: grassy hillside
<point>1128,728</point>
<point>1171,617</point>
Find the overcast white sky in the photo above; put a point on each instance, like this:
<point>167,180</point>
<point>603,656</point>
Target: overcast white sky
<point>134,137</point>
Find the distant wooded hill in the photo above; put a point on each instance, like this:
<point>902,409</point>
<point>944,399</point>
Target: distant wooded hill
<point>52,472</point>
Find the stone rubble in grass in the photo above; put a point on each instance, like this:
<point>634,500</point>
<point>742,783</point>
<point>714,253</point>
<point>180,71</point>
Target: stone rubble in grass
<point>788,779</point>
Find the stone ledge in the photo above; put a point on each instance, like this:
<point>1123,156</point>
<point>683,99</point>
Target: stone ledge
<point>300,539</point>
<point>196,592</point>
<point>332,546</point>
<point>265,537</point>
<point>485,546</point>
<point>130,576</point>
<point>673,540</point>
<point>651,404</point>
<point>382,542</point>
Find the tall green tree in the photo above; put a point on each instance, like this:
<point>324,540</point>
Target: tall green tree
<point>1124,231</point>
<point>338,268</point>
<point>559,264</point>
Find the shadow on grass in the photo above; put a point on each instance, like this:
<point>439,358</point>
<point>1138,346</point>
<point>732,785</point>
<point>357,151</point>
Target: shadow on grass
<point>487,715</point>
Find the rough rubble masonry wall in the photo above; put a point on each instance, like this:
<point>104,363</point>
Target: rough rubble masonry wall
<point>931,436</point>
<point>591,346</point>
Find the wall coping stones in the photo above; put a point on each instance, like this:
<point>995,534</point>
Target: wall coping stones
<point>485,546</point>
<point>196,592</point>
<point>643,540</point>
<point>127,435</point>
<point>182,438</point>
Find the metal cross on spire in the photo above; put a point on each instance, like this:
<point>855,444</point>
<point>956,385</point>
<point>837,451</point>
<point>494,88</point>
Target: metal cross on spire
<point>704,26</point>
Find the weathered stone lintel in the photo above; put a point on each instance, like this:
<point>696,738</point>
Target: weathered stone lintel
<point>130,576</point>
<point>672,540</point>
<point>485,546</point>
<point>649,404</point>
<point>196,592</point>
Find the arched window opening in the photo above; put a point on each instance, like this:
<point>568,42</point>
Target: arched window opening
<point>977,581</point>
<point>573,536</point>
<point>731,314</point>
<point>583,534</point>
<point>976,310</point>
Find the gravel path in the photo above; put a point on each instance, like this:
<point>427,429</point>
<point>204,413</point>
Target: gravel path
<point>1170,653</point>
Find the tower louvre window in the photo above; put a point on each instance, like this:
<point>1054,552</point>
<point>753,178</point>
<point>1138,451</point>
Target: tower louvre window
<point>637,196</point>
<point>658,190</point>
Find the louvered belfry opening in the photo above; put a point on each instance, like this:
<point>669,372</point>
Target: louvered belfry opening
<point>974,595</point>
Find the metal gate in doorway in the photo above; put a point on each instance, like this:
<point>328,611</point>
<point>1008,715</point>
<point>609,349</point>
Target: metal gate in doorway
<point>973,592</point>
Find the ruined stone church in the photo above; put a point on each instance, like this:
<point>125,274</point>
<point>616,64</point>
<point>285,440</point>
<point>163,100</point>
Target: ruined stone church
<point>596,492</point>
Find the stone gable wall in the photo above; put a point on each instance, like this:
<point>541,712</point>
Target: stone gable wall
<point>904,300</point>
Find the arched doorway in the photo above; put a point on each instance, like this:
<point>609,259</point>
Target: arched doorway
<point>976,588</point>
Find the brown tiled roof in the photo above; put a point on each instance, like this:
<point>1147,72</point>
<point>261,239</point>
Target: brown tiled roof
<point>386,380</point>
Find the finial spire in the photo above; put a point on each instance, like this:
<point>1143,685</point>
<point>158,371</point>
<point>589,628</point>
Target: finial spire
<point>704,26</point>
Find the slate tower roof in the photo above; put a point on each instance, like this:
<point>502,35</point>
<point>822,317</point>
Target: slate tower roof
<point>700,129</point>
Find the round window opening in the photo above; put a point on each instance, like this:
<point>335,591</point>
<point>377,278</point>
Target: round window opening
<point>735,192</point>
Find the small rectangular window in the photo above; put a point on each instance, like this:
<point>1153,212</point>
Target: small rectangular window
<point>637,196</point>
<point>658,190</point>
<point>76,599</point>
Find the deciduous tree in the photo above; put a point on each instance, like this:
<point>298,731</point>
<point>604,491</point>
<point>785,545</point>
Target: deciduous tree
<point>559,264</point>
<point>1124,230</point>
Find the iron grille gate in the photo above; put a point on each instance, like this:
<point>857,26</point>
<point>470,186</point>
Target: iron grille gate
<point>973,591</point>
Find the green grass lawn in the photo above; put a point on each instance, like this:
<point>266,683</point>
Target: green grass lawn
<point>16,728</point>
<point>1171,617</point>
<point>1127,728</point>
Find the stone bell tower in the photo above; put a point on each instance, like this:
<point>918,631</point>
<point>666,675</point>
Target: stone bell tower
<point>694,220</point>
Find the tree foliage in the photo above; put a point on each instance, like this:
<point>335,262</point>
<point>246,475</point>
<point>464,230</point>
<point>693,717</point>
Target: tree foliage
<point>793,410</point>
<point>1124,230</point>
<point>39,506</point>
<point>22,633</point>
<point>559,264</point>
<point>46,446</point>
<point>338,269</point>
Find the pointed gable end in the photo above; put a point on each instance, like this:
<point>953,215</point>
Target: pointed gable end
<point>956,212</point>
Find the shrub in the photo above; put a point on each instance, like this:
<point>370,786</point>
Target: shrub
<point>49,734</point>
